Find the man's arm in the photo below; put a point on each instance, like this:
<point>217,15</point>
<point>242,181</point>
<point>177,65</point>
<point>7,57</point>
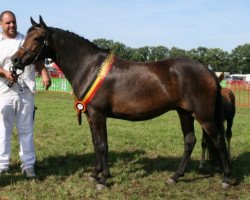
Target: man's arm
<point>46,80</point>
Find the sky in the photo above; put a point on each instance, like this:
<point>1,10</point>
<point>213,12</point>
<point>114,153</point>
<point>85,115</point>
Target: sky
<point>184,24</point>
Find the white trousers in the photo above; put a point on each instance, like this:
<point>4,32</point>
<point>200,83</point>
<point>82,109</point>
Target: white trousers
<point>17,109</point>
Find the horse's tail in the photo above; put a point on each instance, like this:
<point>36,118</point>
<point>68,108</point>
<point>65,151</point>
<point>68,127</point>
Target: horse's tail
<point>213,153</point>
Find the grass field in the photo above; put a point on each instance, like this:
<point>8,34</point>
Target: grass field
<point>142,156</point>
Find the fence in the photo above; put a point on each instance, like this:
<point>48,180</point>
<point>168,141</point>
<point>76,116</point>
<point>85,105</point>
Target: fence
<point>57,85</point>
<point>240,89</point>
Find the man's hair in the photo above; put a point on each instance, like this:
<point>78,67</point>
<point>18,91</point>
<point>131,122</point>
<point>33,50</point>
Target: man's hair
<point>4,12</point>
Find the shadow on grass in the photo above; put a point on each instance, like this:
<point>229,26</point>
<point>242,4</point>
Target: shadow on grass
<point>64,166</point>
<point>171,164</point>
<point>241,167</point>
<point>160,163</point>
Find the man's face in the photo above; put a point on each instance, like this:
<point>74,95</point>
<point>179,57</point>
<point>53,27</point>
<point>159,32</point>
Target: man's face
<point>8,24</point>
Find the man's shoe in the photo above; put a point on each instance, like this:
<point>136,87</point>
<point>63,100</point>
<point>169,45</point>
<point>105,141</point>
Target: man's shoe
<point>29,173</point>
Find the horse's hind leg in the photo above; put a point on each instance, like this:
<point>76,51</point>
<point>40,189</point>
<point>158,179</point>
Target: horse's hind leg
<point>203,151</point>
<point>229,135</point>
<point>187,125</point>
<point>221,153</point>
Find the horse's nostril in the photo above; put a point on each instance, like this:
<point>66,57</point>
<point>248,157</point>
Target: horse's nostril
<point>15,61</point>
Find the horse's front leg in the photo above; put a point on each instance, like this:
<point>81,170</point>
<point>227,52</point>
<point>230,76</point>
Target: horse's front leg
<point>98,164</point>
<point>98,129</point>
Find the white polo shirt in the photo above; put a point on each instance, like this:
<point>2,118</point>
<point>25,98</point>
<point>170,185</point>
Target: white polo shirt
<point>8,46</point>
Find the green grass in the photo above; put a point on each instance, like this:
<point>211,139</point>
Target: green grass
<point>142,155</point>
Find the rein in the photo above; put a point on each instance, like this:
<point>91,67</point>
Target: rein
<point>81,105</point>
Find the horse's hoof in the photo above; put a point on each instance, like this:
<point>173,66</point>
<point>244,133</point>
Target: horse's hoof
<point>170,181</point>
<point>225,185</point>
<point>100,187</point>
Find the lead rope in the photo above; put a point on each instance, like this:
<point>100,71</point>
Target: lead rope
<point>79,117</point>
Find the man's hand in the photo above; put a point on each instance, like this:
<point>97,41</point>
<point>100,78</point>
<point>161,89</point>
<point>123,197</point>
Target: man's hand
<point>46,81</point>
<point>9,76</point>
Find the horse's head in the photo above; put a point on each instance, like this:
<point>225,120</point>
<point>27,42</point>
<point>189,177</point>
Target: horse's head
<point>37,45</point>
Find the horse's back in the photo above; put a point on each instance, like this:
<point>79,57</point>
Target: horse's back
<point>145,90</point>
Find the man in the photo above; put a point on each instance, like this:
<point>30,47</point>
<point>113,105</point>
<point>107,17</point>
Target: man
<point>16,99</point>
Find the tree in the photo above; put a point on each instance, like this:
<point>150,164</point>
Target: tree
<point>103,43</point>
<point>197,54</point>
<point>241,58</point>
<point>158,53</point>
<point>238,61</point>
<point>177,53</point>
<point>119,49</point>
<point>140,54</point>
<point>217,59</point>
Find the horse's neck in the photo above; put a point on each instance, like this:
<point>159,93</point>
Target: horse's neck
<point>79,62</point>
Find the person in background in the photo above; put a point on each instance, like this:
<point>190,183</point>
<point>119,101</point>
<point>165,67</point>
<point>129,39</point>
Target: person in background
<point>17,98</point>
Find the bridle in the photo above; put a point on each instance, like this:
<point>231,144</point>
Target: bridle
<point>13,69</point>
<point>45,44</point>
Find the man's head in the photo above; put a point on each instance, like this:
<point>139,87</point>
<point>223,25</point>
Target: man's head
<point>8,24</point>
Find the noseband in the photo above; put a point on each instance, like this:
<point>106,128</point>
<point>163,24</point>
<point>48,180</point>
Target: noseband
<point>45,44</point>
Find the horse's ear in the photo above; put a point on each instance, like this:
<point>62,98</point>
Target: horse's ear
<point>33,22</point>
<point>221,77</point>
<point>42,22</point>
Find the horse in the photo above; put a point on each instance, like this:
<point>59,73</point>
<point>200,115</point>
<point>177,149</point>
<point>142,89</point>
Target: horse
<point>106,86</point>
<point>228,113</point>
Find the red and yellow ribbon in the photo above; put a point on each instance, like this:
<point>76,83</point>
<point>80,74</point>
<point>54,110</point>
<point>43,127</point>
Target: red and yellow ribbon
<point>81,105</point>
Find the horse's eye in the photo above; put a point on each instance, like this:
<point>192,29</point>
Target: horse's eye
<point>38,39</point>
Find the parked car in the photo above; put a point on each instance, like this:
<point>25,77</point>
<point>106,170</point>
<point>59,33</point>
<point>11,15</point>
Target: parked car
<point>238,79</point>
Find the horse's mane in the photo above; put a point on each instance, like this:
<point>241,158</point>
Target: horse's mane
<point>74,36</point>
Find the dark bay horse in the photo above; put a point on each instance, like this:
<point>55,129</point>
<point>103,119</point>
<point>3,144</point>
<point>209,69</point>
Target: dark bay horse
<point>130,90</point>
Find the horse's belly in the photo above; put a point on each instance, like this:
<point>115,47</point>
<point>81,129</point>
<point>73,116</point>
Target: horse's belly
<point>141,109</point>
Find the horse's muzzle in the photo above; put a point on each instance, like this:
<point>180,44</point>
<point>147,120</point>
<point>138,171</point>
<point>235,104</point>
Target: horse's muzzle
<point>17,63</point>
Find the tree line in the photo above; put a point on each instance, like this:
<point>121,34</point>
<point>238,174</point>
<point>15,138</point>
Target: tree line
<point>237,61</point>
